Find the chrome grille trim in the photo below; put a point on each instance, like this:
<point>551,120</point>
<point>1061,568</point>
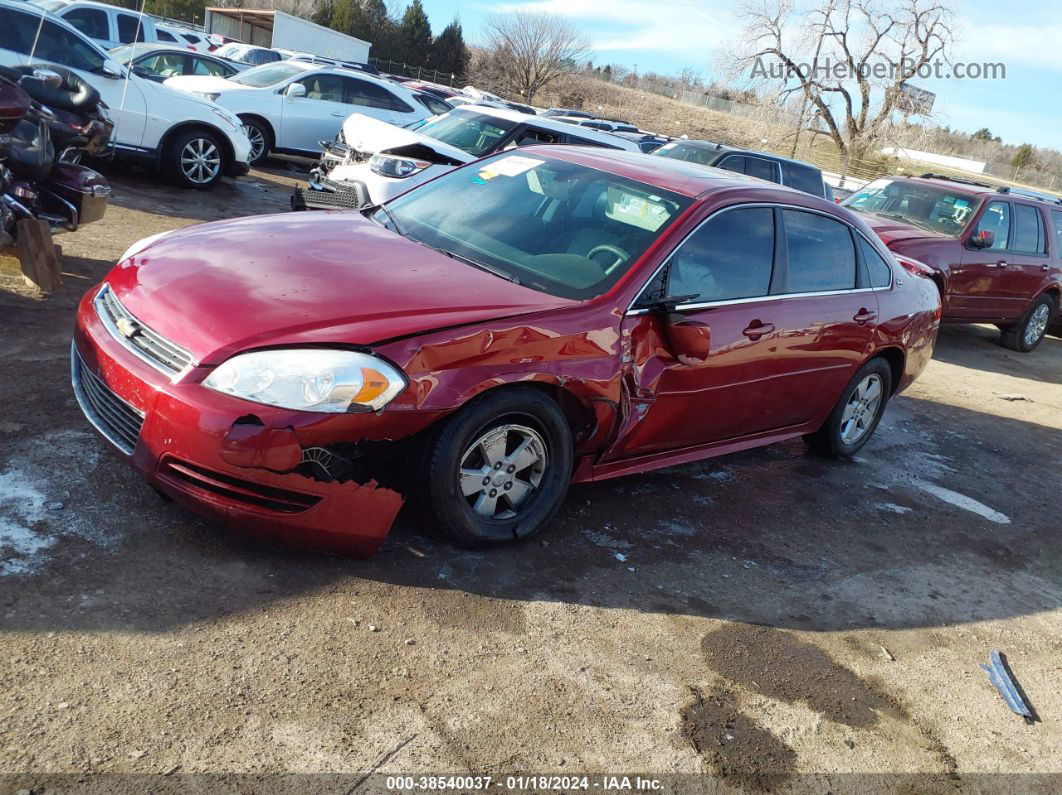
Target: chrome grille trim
<point>146,344</point>
<point>118,421</point>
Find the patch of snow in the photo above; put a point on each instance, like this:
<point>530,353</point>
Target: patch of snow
<point>962,501</point>
<point>893,507</point>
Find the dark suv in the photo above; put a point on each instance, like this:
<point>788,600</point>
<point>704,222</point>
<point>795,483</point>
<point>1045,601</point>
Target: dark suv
<point>773,168</point>
<point>996,253</point>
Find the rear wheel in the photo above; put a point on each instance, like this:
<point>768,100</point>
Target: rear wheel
<point>194,159</point>
<point>857,414</point>
<point>499,469</point>
<point>1027,333</point>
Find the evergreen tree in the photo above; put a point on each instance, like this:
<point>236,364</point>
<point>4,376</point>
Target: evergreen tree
<point>448,52</point>
<point>1023,157</point>
<point>322,14</point>
<point>414,36</point>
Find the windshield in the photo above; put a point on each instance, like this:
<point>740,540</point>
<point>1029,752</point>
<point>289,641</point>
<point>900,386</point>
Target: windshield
<point>688,152</point>
<point>475,133</point>
<point>51,5</point>
<point>558,227</point>
<point>268,75</point>
<point>128,52</point>
<point>924,206</point>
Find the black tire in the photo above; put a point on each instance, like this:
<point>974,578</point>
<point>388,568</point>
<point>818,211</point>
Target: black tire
<point>451,513</point>
<point>1016,337</point>
<point>829,439</point>
<point>177,171</point>
<point>257,127</point>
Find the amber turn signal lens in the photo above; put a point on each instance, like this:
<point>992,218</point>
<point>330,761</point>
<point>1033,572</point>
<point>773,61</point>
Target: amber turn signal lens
<point>373,385</point>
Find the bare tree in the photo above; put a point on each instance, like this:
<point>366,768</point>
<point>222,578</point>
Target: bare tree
<point>531,50</point>
<point>864,52</point>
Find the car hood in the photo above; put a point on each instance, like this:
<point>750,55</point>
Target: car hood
<point>369,136</point>
<point>305,278</point>
<point>206,84</point>
<point>892,231</point>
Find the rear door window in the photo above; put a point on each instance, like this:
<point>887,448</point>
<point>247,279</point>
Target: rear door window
<point>1056,221</point>
<point>730,257</point>
<point>130,29</point>
<point>821,253</point>
<point>92,22</point>
<point>207,66</point>
<point>1029,237</point>
<point>366,94</point>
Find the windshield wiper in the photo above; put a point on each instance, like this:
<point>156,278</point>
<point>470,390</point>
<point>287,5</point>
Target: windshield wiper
<point>391,217</point>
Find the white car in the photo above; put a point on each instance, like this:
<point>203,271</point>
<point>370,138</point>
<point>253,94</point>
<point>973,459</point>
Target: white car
<point>291,106</point>
<point>188,38</point>
<point>193,141</point>
<point>372,161</point>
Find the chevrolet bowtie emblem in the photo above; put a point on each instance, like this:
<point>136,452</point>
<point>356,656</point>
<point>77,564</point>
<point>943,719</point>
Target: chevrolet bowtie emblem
<point>127,328</point>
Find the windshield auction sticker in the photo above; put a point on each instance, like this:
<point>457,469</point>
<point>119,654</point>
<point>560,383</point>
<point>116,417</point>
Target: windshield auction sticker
<point>509,166</point>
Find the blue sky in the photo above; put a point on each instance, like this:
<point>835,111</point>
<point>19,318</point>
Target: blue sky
<point>668,35</point>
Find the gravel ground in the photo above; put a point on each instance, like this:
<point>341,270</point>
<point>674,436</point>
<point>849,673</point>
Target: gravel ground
<point>769,620</point>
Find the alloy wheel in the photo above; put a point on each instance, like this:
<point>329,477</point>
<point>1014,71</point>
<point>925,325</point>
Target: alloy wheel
<point>861,409</point>
<point>257,139</point>
<point>200,161</point>
<point>501,470</point>
<point>1037,324</point>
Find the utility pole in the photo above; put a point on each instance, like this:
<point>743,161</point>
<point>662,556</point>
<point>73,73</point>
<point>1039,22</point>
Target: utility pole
<point>814,71</point>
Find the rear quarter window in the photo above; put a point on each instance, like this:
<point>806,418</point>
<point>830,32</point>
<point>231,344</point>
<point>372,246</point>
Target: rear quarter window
<point>803,179</point>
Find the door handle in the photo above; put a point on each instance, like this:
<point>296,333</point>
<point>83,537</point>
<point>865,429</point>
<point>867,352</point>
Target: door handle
<point>339,114</point>
<point>757,329</point>
<point>1045,267</point>
<point>864,315</point>
<point>1001,264</point>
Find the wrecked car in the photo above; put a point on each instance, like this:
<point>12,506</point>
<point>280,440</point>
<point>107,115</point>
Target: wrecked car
<point>560,315</point>
<point>371,161</point>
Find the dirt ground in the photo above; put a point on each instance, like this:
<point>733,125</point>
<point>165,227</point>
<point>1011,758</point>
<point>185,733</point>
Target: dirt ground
<point>769,620</point>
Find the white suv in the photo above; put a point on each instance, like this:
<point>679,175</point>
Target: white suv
<point>292,106</point>
<point>107,25</point>
<point>193,141</point>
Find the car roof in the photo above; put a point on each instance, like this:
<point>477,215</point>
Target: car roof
<point>738,150</point>
<point>145,48</point>
<point>544,122</point>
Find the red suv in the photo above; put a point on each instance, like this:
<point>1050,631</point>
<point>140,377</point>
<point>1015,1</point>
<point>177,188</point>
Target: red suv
<point>525,321</point>
<point>996,253</point>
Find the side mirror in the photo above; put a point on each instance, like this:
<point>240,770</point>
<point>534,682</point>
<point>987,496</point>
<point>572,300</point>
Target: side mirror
<point>986,238</point>
<point>111,69</point>
<point>690,339</point>
<point>295,90</point>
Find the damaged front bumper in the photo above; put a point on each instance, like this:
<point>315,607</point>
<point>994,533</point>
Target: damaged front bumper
<point>322,193</point>
<point>304,478</point>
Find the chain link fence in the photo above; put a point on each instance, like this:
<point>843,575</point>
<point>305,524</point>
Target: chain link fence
<point>415,72</point>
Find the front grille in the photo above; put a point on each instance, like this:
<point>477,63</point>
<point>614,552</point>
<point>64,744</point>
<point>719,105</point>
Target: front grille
<point>118,421</point>
<point>344,197</point>
<point>149,345</point>
<point>183,474</point>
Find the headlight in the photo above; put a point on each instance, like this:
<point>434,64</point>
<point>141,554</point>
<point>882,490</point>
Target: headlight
<point>396,167</point>
<point>140,245</point>
<point>210,96</point>
<point>309,379</point>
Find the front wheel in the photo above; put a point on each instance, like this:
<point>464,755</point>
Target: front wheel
<point>1027,333</point>
<point>499,469</point>
<point>261,139</point>
<point>857,414</point>
<point>194,159</point>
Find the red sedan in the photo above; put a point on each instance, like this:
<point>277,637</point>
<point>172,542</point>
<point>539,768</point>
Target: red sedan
<point>557,315</point>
